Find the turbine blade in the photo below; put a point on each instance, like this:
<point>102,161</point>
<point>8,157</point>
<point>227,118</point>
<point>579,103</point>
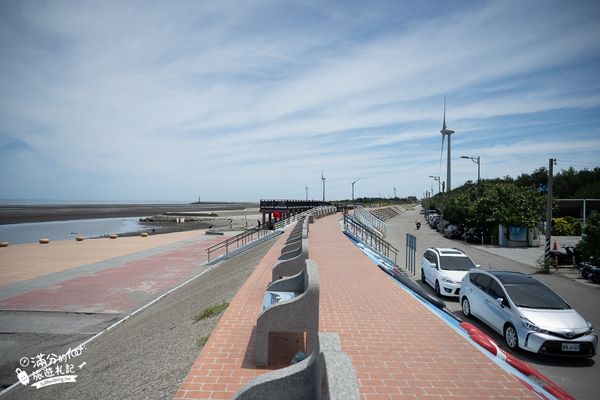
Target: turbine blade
<point>444,125</point>
<point>442,151</point>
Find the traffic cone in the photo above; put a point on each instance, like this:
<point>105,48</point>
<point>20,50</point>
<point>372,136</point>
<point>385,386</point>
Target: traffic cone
<point>555,246</point>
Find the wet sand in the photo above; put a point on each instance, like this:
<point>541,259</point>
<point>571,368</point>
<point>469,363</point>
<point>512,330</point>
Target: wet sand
<point>14,214</point>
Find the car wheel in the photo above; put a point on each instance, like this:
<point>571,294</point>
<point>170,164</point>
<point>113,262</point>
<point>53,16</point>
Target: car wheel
<point>437,289</point>
<point>511,338</point>
<point>423,276</point>
<point>584,274</point>
<point>466,307</point>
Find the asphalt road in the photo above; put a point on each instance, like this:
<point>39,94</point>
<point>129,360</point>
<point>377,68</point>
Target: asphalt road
<point>579,377</point>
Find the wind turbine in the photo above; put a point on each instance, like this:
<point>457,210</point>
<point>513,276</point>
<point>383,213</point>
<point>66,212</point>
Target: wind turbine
<point>353,188</point>
<point>306,187</point>
<point>446,132</point>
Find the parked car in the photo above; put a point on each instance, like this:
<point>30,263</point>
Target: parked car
<point>443,269</point>
<point>434,220</point>
<point>529,314</point>
<point>453,231</point>
<point>441,225</point>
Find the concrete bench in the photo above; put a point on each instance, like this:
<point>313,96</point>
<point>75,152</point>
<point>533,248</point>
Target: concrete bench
<point>326,374</point>
<point>292,262</point>
<point>292,245</point>
<point>299,314</point>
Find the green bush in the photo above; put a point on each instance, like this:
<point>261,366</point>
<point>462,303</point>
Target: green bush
<point>567,226</point>
<point>575,224</point>
<point>560,227</point>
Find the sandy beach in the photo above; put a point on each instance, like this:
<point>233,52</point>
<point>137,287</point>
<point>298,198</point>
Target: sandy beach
<point>31,260</point>
<point>162,338</point>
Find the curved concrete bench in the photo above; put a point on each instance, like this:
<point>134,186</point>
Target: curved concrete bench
<point>293,246</point>
<point>325,374</point>
<point>294,235</point>
<point>291,263</point>
<point>305,224</point>
<point>300,314</point>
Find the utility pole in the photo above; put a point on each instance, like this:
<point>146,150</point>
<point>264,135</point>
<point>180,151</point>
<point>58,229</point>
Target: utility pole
<point>548,231</point>
<point>323,179</point>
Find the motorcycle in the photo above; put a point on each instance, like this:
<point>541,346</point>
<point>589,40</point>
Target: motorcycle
<point>588,269</point>
<point>418,223</point>
<point>570,257</point>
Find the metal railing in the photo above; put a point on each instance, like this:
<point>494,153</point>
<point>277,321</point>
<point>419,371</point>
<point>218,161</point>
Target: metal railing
<point>369,219</point>
<point>285,222</point>
<point>369,237</point>
<point>411,253</point>
<point>290,204</point>
<point>237,241</point>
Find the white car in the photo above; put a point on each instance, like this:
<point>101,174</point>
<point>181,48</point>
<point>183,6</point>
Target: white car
<point>444,268</point>
<point>528,313</point>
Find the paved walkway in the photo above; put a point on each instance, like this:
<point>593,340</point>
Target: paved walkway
<point>400,350</point>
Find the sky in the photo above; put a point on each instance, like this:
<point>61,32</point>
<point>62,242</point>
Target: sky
<point>248,100</point>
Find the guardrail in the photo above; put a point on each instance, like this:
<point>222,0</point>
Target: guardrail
<point>370,237</point>
<point>371,220</point>
<point>239,240</point>
<point>313,211</point>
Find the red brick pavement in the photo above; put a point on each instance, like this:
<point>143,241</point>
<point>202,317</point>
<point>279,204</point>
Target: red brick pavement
<point>120,288</point>
<point>400,350</point>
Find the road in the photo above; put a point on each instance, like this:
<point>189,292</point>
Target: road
<point>579,377</point>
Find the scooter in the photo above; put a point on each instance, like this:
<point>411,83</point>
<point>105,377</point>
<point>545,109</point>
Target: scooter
<point>588,269</point>
<point>418,223</point>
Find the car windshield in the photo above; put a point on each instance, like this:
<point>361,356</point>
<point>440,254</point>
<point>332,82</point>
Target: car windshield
<point>456,263</point>
<point>535,295</point>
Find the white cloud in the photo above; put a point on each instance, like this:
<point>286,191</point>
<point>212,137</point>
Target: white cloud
<point>232,94</point>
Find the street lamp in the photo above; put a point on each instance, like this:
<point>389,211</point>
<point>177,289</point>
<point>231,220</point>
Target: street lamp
<point>436,178</point>
<point>323,180</point>
<point>476,160</point>
<point>353,188</point>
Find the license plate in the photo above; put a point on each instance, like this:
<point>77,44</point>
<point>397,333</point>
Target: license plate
<point>570,346</point>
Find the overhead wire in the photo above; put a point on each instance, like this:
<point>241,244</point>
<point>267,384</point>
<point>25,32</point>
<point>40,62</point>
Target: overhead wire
<point>578,163</point>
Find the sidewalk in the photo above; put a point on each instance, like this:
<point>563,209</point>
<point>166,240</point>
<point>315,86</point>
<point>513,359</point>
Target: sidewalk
<point>399,349</point>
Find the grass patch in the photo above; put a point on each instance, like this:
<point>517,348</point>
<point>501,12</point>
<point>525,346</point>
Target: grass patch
<point>201,340</point>
<point>211,311</point>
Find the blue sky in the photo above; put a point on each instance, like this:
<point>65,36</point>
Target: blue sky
<point>242,100</point>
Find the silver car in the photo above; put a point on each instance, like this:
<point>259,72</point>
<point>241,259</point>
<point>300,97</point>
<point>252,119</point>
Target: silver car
<point>527,313</point>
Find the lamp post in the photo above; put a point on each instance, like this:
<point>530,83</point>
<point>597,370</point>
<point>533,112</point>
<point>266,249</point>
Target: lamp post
<point>353,188</point>
<point>323,180</point>
<point>436,178</point>
<point>476,160</point>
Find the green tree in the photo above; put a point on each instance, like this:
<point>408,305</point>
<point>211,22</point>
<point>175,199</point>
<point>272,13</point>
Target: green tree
<point>589,246</point>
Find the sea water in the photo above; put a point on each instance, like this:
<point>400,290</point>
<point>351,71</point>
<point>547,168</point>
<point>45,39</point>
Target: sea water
<point>65,230</point>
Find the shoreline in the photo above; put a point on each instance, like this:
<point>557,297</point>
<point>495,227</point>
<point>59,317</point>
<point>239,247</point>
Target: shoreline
<point>16,214</point>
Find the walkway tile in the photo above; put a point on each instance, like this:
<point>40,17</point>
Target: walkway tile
<point>400,350</point>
